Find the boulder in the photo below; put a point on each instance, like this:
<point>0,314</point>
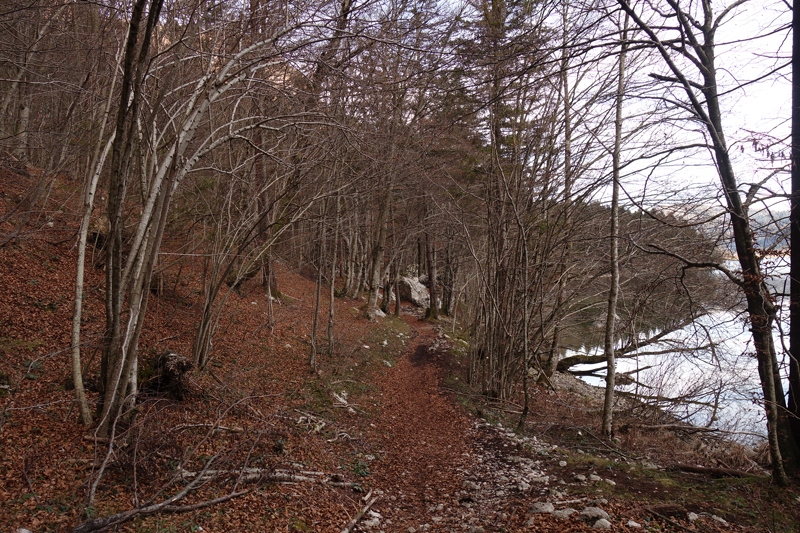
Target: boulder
<point>541,507</point>
<point>602,524</point>
<point>412,290</point>
<point>591,514</point>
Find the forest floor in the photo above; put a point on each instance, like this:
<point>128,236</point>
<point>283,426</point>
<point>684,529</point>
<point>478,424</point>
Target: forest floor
<point>386,432</point>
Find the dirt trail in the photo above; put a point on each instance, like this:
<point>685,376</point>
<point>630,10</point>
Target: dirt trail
<point>424,437</point>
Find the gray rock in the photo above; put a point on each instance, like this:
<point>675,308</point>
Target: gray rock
<point>541,507</point>
<point>562,463</point>
<point>692,517</point>
<point>563,513</point>
<point>602,524</point>
<point>522,486</point>
<point>371,523</point>
<point>470,485</point>
<point>414,291</point>
<point>719,519</point>
<point>476,529</point>
<point>594,477</point>
<point>611,482</point>
<point>580,478</point>
<point>633,524</point>
<point>374,314</point>
<point>593,513</point>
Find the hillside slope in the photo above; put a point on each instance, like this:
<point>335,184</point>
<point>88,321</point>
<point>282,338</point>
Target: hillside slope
<point>386,426</point>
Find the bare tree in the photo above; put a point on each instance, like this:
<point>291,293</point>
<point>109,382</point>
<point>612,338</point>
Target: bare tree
<point>695,44</point>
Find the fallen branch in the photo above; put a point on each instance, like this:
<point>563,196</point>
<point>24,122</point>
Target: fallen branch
<point>680,427</point>
<point>107,522</point>
<point>352,524</point>
<point>253,475</point>
<point>214,428</point>
<point>721,472</point>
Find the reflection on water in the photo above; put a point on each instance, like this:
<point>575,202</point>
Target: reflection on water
<point>709,364</point>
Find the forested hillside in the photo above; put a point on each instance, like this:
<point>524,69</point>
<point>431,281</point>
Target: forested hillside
<point>565,184</point>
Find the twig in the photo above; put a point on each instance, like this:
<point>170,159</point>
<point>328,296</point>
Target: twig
<point>352,524</point>
<point>215,429</point>
<point>614,450</point>
<point>569,502</point>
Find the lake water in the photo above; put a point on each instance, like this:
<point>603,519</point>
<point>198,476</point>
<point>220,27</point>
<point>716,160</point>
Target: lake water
<point>721,377</point>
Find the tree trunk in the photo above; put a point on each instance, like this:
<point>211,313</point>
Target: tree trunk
<point>794,247</point>
<point>609,339</point>
<point>433,311</point>
<point>377,254</point>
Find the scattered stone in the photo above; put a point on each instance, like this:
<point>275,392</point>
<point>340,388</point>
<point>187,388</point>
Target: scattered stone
<point>522,486</point>
<point>692,517</point>
<point>719,519</point>
<point>387,363</point>
<point>611,482</point>
<point>593,513</point>
<point>599,501</point>
<point>580,478</point>
<point>541,507</point>
<point>594,477</point>
<point>370,523</point>
<point>411,530</point>
<point>563,513</point>
<point>470,485</point>
<point>476,529</point>
<point>562,464</point>
<point>633,524</point>
<point>602,524</point>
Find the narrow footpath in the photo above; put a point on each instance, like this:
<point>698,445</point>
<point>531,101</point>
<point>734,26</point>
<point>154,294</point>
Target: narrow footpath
<point>440,469</point>
<point>425,438</point>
